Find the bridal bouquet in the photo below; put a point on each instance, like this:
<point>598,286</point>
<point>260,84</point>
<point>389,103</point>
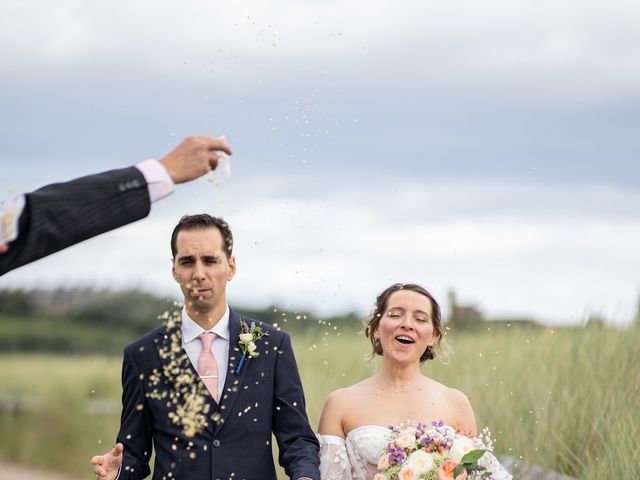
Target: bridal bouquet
<point>438,452</point>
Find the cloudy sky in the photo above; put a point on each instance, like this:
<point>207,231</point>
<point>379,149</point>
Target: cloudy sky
<point>490,147</point>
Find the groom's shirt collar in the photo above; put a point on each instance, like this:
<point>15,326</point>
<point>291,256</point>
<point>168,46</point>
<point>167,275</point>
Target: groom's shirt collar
<point>191,330</point>
<point>220,346</point>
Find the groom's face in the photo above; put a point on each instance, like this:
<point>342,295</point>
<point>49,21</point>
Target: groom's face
<point>202,269</point>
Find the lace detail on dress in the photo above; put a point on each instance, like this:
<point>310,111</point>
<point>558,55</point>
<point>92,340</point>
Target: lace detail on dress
<point>361,450</point>
<point>489,461</point>
<point>368,441</point>
<point>334,463</point>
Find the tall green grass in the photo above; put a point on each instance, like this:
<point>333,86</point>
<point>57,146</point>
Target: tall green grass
<point>568,400</point>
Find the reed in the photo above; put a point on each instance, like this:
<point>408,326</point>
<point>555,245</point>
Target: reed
<point>564,399</point>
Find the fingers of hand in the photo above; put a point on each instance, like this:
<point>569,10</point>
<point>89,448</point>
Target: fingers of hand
<point>219,144</point>
<point>116,456</point>
<point>214,158</point>
<point>99,471</point>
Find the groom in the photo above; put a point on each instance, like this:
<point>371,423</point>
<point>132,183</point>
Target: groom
<point>209,412</point>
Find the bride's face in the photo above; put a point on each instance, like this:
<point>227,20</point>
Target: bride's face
<point>406,329</point>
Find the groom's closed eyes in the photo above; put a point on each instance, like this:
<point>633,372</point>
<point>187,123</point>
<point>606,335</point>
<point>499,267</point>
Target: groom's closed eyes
<point>206,259</point>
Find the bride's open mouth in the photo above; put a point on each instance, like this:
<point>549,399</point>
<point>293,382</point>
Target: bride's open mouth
<point>405,340</point>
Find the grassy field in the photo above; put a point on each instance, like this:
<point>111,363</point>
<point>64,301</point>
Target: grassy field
<point>568,400</point>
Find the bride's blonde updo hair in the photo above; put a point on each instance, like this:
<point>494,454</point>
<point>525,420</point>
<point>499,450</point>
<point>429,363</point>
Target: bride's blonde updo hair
<point>373,320</point>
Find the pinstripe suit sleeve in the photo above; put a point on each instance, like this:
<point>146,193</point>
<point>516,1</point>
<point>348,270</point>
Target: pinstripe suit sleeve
<point>136,431</point>
<point>62,214</point>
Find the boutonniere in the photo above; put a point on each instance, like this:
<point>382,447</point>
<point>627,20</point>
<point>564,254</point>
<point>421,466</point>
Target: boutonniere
<point>249,335</point>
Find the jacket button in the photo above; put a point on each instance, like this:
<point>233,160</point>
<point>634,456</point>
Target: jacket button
<point>216,443</point>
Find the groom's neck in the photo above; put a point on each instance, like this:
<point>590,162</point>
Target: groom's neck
<point>207,319</point>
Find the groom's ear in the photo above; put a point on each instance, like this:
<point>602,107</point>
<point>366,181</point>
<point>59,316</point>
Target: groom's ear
<point>173,271</point>
<point>232,268</point>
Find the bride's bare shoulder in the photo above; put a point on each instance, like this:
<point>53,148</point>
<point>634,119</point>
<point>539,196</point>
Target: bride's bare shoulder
<point>337,405</point>
<point>450,394</point>
<point>455,397</point>
<point>346,395</point>
<point>460,410</point>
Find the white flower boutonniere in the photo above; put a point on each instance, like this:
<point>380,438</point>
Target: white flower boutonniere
<point>249,335</point>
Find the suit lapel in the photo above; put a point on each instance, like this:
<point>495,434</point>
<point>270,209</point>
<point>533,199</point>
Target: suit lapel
<point>233,382</point>
<point>170,349</point>
<point>175,363</point>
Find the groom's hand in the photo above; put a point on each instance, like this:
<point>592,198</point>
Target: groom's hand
<point>107,466</point>
<point>193,157</point>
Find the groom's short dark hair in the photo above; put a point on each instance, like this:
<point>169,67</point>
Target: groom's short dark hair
<point>202,220</point>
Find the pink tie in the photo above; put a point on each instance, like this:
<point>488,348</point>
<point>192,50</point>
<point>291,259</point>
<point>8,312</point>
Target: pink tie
<point>207,366</point>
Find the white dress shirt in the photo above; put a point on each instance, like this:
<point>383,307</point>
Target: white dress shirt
<point>220,346</point>
<point>158,180</point>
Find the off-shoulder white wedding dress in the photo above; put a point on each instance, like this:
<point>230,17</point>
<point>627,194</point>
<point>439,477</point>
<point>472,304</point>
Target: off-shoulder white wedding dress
<point>356,456</point>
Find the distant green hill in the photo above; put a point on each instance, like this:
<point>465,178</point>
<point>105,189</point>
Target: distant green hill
<point>105,321</point>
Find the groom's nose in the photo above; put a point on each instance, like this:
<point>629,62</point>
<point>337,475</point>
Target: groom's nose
<point>198,270</point>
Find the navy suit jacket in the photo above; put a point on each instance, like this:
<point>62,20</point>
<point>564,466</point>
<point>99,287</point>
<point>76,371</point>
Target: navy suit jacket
<point>265,396</point>
<point>62,214</point>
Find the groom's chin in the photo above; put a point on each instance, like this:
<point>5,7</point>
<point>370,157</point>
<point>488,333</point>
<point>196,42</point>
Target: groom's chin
<point>201,304</point>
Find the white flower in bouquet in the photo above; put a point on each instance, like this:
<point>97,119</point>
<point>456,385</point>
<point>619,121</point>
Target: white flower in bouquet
<point>408,473</point>
<point>383,463</point>
<point>406,439</point>
<point>438,452</point>
<point>461,446</point>
<point>421,461</point>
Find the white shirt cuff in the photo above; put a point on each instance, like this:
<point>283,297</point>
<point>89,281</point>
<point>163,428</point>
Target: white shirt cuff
<point>158,180</point>
<point>9,216</point>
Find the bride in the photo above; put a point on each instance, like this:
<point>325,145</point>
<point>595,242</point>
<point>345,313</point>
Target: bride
<point>405,328</point>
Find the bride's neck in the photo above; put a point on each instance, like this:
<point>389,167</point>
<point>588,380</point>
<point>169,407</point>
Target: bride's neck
<point>398,377</point>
